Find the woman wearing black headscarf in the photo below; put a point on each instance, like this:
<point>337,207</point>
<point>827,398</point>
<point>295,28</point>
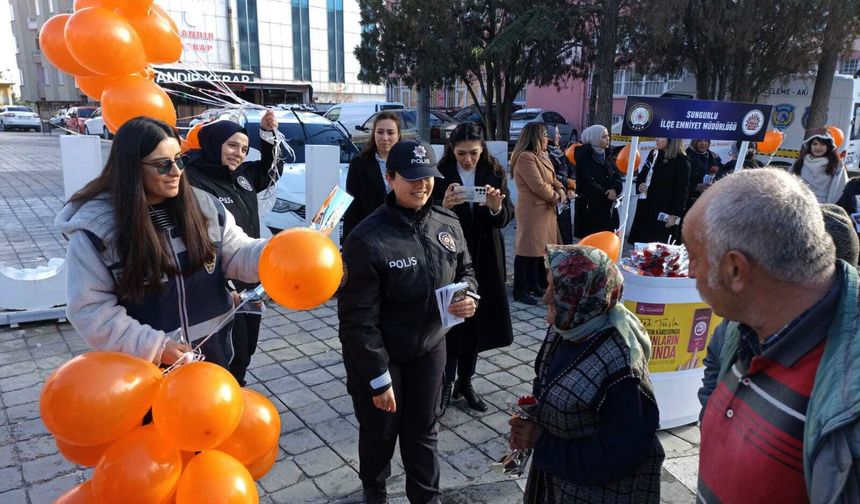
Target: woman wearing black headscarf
<point>219,168</point>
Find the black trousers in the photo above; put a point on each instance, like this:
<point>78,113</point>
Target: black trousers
<point>246,331</point>
<point>417,389</point>
<point>565,226</point>
<point>462,351</point>
<point>529,274</point>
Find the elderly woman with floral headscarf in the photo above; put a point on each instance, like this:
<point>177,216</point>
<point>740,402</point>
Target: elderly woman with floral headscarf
<point>593,429</point>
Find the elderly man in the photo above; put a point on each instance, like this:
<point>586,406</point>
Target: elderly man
<point>782,425</point>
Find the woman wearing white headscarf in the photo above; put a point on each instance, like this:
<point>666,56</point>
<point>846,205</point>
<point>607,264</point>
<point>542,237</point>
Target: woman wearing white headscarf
<point>598,184</point>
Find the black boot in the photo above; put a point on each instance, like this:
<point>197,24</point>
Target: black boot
<point>376,495</point>
<point>465,389</point>
<point>447,389</point>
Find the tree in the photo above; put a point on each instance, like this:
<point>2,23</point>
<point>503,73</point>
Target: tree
<point>842,19</point>
<point>735,48</point>
<point>495,47</point>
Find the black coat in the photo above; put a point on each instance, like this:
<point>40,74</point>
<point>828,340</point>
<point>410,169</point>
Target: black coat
<point>487,248</point>
<point>667,193</point>
<point>236,189</point>
<point>594,211</point>
<point>393,264</point>
<point>701,165</point>
<point>365,183</point>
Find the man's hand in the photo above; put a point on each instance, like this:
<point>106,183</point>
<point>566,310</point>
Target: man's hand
<point>524,433</point>
<point>385,401</point>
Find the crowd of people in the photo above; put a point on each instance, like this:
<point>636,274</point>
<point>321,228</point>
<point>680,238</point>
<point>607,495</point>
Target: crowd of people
<point>160,244</point>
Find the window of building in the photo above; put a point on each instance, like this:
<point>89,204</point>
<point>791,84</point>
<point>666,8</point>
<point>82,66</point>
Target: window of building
<point>301,40</point>
<point>849,66</point>
<point>50,6</point>
<point>629,83</point>
<point>46,76</point>
<point>335,40</point>
<point>249,42</point>
<point>36,7</point>
<point>61,78</point>
<point>11,12</point>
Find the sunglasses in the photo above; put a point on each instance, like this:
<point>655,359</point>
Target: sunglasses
<point>164,166</point>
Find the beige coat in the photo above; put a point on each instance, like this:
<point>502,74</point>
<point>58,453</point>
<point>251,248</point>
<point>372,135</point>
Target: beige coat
<point>538,193</point>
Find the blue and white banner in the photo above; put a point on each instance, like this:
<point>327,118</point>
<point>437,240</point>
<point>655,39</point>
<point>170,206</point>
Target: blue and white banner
<point>707,119</point>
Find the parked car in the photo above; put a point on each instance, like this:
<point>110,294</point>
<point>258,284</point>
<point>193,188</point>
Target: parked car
<point>95,125</point>
<point>441,126</point>
<point>77,117</point>
<point>300,128</point>
<point>352,115</point>
<point>471,113</point>
<point>19,117</point>
<point>204,116</point>
<point>58,120</point>
<point>524,116</point>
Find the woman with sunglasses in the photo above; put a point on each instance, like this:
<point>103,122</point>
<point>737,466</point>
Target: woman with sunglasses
<point>148,255</point>
<point>219,168</point>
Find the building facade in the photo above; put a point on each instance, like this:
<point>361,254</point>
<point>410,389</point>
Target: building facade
<point>268,51</point>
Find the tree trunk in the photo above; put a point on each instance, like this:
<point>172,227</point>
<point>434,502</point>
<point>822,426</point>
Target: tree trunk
<point>604,71</point>
<point>824,78</point>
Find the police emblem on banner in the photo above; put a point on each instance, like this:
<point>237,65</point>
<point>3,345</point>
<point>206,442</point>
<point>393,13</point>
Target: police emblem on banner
<point>804,121</point>
<point>753,122</point>
<point>244,184</point>
<point>782,116</point>
<point>447,241</point>
<point>640,116</point>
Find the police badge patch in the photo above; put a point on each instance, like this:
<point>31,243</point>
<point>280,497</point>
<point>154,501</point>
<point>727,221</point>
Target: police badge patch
<point>782,116</point>
<point>210,265</point>
<point>243,182</point>
<point>447,241</point>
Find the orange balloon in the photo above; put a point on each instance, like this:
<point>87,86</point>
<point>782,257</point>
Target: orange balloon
<point>97,397</point>
<point>300,268</point>
<point>89,32</point>
<point>197,406</point>
<point>624,158</point>
<point>53,45</point>
<point>135,7</point>
<point>257,432</point>
<point>160,41</point>
<point>81,494</point>
<point>192,138</point>
<point>215,477</point>
<point>140,467</point>
<point>606,241</point>
<point>837,134</point>
<point>772,140</point>
<point>130,96</point>
<point>83,4</point>
<point>571,153</point>
<point>261,466</point>
<point>158,10</point>
<point>92,86</point>
<point>82,455</point>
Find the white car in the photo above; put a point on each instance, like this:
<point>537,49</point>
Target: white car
<point>19,117</point>
<point>95,125</point>
<point>300,128</point>
<point>352,115</point>
<point>528,115</point>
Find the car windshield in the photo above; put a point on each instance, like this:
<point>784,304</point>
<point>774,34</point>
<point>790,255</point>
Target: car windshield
<point>442,117</point>
<point>317,134</point>
<point>19,109</point>
<point>85,112</point>
<point>524,116</point>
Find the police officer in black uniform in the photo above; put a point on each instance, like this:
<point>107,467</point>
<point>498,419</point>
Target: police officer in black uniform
<point>390,326</point>
<point>219,168</point>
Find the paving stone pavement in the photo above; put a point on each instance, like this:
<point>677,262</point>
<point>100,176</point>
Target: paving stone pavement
<point>298,366</point>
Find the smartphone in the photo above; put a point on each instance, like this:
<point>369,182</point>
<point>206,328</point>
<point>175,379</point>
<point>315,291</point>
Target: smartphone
<point>473,194</point>
<point>459,295</point>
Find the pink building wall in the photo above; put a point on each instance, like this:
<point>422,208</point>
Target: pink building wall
<point>571,101</point>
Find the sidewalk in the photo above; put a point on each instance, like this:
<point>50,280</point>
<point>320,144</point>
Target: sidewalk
<point>298,366</point>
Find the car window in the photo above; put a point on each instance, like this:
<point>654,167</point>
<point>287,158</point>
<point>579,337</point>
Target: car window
<point>440,116</point>
<point>409,119</point>
<point>552,117</point>
<point>524,116</point>
<point>97,113</point>
<point>390,107</point>
<point>19,109</point>
<point>85,112</point>
<point>317,134</point>
<point>368,124</point>
<point>333,114</point>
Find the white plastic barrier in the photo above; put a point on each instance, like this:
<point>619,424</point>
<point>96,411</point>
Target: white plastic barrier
<point>322,173</point>
<point>36,288</point>
<point>680,326</point>
<point>81,156</point>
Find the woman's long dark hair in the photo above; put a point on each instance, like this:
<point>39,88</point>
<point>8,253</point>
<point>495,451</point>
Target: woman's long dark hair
<point>471,132</point>
<point>530,141</point>
<point>832,158</point>
<point>143,251</point>
<point>370,148</point>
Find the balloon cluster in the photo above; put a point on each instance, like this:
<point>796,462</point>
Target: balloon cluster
<point>208,441</point>
<point>107,45</point>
